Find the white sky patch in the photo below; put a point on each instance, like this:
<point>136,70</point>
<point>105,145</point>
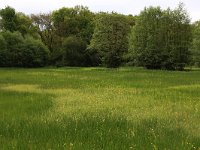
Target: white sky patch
<point>121,6</point>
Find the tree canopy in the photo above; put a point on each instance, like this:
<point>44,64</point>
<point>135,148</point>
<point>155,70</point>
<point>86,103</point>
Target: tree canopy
<point>161,38</point>
<point>155,39</point>
<point>195,48</point>
<point>110,38</point>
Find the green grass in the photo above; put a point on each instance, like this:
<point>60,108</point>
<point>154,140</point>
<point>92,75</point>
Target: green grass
<point>98,108</point>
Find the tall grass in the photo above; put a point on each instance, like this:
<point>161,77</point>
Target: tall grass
<point>98,108</point>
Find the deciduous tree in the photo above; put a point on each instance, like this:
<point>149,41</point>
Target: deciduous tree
<point>110,39</point>
<point>162,38</point>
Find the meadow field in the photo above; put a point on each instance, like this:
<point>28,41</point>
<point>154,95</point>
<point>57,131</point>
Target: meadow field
<point>99,109</point>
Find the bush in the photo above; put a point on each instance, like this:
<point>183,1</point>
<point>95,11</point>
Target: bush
<point>74,51</point>
<point>3,50</point>
<point>35,53</point>
<point>14,43</point>
<point>16,51</point>
<point>92,57</point>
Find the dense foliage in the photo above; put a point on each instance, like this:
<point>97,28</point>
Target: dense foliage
<point>110,39</point>
<point>161,39</point>
<point>74,51</point>
<point>13,21</point>
<point>75,21</point>
<point>155,39</point>
<point>35,53</point>
<point>19,51</point>
<point>195,49</point>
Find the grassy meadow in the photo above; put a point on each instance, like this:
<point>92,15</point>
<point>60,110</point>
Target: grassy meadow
<point>98,108</point>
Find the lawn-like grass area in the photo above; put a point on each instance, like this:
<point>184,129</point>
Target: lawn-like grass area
<point>98,108</point>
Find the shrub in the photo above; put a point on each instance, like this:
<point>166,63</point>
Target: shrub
<point>17,51</point>
<point>3,50</point>
<point>35,53</point>
<point>14,43</point>
<point>74,51</point>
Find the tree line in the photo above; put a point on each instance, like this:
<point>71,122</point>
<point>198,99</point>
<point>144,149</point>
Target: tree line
<point>155,39</point>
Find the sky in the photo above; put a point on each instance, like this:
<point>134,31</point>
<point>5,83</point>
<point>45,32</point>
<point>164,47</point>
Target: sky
<point>121,6</point>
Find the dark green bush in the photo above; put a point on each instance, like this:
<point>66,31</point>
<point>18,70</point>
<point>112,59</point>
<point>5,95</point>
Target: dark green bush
<point>17,51</point>
<point>14,43</point>
<point>35,53</point>
<point>3,50</point>
<point>74,51</point>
